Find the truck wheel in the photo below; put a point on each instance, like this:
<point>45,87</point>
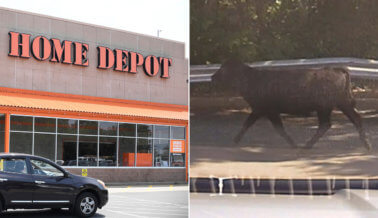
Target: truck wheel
<point>86,205</point>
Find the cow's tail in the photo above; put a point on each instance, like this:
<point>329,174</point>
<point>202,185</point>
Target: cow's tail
<point>348,88</point>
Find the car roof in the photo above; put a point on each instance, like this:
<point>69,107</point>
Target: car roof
<point>14,154</point>
<point>5,154</point>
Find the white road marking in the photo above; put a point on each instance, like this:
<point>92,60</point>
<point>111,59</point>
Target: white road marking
<point>127,214</point>
<point>149,189</point>
<point>152,201</point>
<point>146,208</point>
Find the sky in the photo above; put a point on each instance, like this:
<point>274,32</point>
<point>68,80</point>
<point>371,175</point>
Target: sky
<point>141,16</point>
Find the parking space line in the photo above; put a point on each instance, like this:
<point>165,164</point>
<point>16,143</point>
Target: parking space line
<point>145,208</point>
<point>154,213</point>
<point>146,204</point>
<point>127,214</point>
<point>149,189</point>
<point>157,202</point>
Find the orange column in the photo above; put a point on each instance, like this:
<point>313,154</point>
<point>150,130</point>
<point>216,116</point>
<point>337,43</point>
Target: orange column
<point>7,125</point>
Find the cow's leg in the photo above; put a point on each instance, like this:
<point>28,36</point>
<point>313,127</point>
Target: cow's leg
<point>248,123</point>
<point>355,118</point>
<point>324,118</point>
<point>276,120</point>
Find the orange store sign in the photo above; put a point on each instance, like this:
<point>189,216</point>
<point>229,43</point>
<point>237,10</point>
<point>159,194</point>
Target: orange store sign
<point>177,146</point>
<point>69,52</point>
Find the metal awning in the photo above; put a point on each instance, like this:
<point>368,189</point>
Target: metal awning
<point>59,104</point>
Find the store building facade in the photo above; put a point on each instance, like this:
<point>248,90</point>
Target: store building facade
<point>98,101</point>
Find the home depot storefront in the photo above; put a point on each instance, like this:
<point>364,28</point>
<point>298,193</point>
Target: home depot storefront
<point>110,103</point>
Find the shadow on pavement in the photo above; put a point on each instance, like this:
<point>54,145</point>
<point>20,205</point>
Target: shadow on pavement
<point>41,213</point>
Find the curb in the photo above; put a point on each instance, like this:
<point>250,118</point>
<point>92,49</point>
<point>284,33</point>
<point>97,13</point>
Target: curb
<point>279,186</point>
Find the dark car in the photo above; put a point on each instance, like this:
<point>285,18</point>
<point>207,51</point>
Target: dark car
<point>33,182</point>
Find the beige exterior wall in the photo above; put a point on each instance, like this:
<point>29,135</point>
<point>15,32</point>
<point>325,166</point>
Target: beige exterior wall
<point>70,79</point>
<point>135,175</point>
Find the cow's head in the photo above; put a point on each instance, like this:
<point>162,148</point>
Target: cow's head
<point>228,74</point>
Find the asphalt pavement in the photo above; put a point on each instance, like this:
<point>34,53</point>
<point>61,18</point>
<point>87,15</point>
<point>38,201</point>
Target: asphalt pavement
<point>131,201</point>
<point>262,153</point>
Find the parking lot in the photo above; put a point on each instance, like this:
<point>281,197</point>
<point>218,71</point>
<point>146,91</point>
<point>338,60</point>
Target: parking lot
<point>131,201</point>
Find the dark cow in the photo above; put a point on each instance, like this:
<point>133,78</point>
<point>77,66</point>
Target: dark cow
<point>292,91</point>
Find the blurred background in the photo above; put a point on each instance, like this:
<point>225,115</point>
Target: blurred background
<point>281,33</point>
<point>257,30</point>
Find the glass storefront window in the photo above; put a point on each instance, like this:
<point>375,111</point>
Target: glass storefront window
<point>2,133</point>
<point>44,145</point>
<point>126,129</point>
<point>21,142</point>
<point>177,160</point>
<point>108,128</point>
<point>126,153</point>
<point>161,132</point>
<point>21,123</point>
<point>71,142</point>
<point>161,153</point>
<point>108,152</point>
<point>67,126</point>
<point>145,130</point>
<point>88,151</point>
<point>2,122</point>
<point>44,124</point>
<point>66,150</point>
<point>88,127</point>
<point>2,138</point>
<point>178,132</point>
<point>144,153</point>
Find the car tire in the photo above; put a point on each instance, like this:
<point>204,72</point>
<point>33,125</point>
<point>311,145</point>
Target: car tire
<point>86,205</point>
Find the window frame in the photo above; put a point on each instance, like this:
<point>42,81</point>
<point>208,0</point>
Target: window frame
<point>118,137</point>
